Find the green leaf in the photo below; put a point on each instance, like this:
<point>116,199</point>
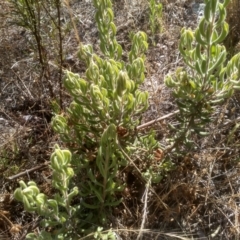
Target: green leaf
<point>91,206</point>
<point>73,193</point>
<point>189,37</point>
<point>18,195</point>
<point>208,11</point>
<point>199,38</point>
<point>93,178</point>
<point>221,16</point>
<point>214,4</point>
<point>193,84</point>
<point>27,205</point>
<point>225,3</point>
<point>113,203</point>
<point>69,172</point>
<point>122,83</point>
<point>54,205</point>
<point>41,198</point>
<point>97,193</point>
<point>203,133</point>
<point>220,60</point>
<point>202,28</point>
<point>223,34</point>
<point>204,66</point>
<point>198,52</point>
<point>92,72</point>
<point>55,163</point>
<point>31,190</point>
<point>198,68</point>
<point>209,33</point>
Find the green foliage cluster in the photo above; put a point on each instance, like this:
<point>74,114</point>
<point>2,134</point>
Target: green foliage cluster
<point>99,126</point>
<point>57,212</point>
<point>209,80</point>
<point>9,152</point>
<point>155,17</point>
<point>104,113</point>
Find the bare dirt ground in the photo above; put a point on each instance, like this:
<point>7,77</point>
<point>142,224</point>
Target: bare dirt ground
<point>198,199</point>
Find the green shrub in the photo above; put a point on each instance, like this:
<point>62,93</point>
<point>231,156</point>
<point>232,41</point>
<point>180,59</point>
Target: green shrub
<point>208,80</point>
<point>104,113</point>
<point>155,17</point>
<point>58,212</point>
<point>99,128</point>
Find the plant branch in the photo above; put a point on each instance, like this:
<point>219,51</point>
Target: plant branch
<point>147,124</point>
<point>27,171</point>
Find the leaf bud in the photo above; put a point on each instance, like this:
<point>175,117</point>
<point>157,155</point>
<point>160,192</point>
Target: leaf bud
<point>121,83</point>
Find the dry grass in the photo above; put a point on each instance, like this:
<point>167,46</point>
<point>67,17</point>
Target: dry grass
<point>233,19</point>
<point>199,199</point>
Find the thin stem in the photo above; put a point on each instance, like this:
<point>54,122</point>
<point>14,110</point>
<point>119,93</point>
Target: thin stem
<point>58,6</point>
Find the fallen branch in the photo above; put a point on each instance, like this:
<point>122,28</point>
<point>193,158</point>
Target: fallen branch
<point>138,128</point>
<point>144,216</point>
<point>27,171</point>
<point>157,120</point>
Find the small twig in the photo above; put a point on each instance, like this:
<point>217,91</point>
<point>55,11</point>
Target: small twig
<point>231,121</point>
<point>138,170</point>
<point>210,179</point>
<point>28,91</point>
<point>27,171</point>
<point>157,120</point>
<point>2,215</point>
<point>145,200</point>
<point>60,52</point>
<point>73,23</point>
<point>227,217</point>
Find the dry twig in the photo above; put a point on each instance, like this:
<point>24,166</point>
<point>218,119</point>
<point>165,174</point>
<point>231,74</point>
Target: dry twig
<point>27,171</point>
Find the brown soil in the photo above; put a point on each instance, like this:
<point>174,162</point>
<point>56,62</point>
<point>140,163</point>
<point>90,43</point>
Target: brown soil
<point>233,17</point>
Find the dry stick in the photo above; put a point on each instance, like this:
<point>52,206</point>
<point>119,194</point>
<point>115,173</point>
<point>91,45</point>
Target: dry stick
<point>73,23</point>
<point>138,128</point>
<point>14,228</point>
<point>28,91</point>
<point>157,120</point>
<point>137,230</point>
<point>210,178</point>
<point>27,171</point>
<point>227,217</point>
<point>59,26</point>
<point>138,170</point>
<point>236,209</point>
<point>145,200</point>
<point>35,29</point>
<point>6,219</point>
